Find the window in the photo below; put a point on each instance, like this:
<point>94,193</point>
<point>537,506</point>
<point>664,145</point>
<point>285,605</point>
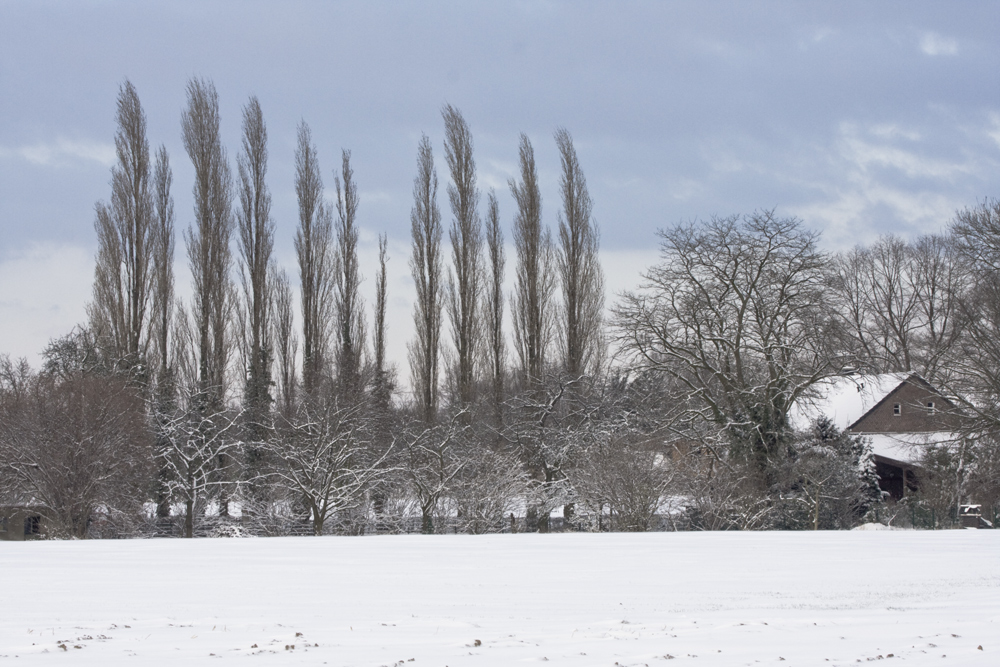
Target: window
<point>3,524</point>
<point>930,407</point>
<point>32,525</point>
<point>897,409</point>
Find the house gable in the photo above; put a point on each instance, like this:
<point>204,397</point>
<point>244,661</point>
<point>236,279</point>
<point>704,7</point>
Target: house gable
<point>912,407</point>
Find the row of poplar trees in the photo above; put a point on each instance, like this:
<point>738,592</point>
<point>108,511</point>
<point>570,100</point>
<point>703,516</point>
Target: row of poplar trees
<point>236,345</point>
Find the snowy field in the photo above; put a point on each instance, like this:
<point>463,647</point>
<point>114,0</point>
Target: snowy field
<point>922,598</point>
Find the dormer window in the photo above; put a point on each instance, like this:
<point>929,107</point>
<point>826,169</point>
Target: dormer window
<point>897,409</point>
<point>930,407</point>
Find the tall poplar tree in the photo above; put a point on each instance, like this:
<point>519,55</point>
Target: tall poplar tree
<point>465,283</point>
<point>531,303</point>
<point>163,269</point>
<point>123,273</point>
<point>496,346</point>
<point>256,242</point>
<point>317,262</point>
<point>161,324</point>
<point>349,317</point>
<point>383,380</point>
<point>208,239</point>
<point>581,277</point>
<point>425,266</point>
<point>286,343</point>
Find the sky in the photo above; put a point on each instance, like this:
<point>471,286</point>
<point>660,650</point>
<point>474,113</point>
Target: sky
<point>858,118</point>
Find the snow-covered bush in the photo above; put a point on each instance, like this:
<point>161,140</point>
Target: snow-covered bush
<point>490,488</point>
<point>630,479</point>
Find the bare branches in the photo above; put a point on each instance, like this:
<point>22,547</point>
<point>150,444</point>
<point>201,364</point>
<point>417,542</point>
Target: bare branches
<point>734,316</point>
<point>71,444</point>
<point>976,363</point>
<point>197,447</point>
<point>632,480</point>
<point>977,231</point>
<point>432,463</point>
<point>899,304</point>
<point>324,456</point>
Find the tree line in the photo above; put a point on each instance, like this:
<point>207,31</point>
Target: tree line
<point>672,413</point>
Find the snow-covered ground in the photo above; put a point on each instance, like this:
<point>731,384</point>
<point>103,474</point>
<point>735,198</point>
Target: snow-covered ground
<point>568,599</point>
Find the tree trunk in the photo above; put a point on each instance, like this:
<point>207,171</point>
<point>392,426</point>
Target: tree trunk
<point>426,521</point>
<point>816,510</point>
<point>189,519</point>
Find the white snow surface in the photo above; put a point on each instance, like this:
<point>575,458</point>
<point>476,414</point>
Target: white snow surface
<point>844,399</point>
<point>926,598</point>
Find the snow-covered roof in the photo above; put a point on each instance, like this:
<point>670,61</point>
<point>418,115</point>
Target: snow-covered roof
<point>844,399</point>
<point>908,447</point>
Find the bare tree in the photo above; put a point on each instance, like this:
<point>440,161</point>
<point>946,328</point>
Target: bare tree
<point>496,346</point>
<point>425,266</point>
<point>208,240</point>
<point>286,343</point>
<point>317,262</point>
<point>941,278</point>
<point>977,231</point>
<point>432,464</point>
<point>73,443</point>
<point>123,275</point>
<point>531,302</point>
<point>197,447</point>
<point>488,490</point>
<point>888,304</point>
<point>546,434</point>
<point>849,286</point>
<point>348,309</point>
<point>582,279</point>
<point>976,362</point>
<point>626,476</point>
<point>898,302</point>
<point>465,284</point>
<point>324,457</point>
<point>735,317</point>
<point>256,242</point>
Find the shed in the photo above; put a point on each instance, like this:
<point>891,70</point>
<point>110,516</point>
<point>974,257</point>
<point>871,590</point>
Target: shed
<point>20,522</point>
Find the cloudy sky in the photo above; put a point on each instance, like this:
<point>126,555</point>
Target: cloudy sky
<point>859,118</point>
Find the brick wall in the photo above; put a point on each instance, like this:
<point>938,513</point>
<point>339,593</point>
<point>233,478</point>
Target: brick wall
<point>913,416</point>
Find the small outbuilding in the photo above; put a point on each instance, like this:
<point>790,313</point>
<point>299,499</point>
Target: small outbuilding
<point>18,523</point>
